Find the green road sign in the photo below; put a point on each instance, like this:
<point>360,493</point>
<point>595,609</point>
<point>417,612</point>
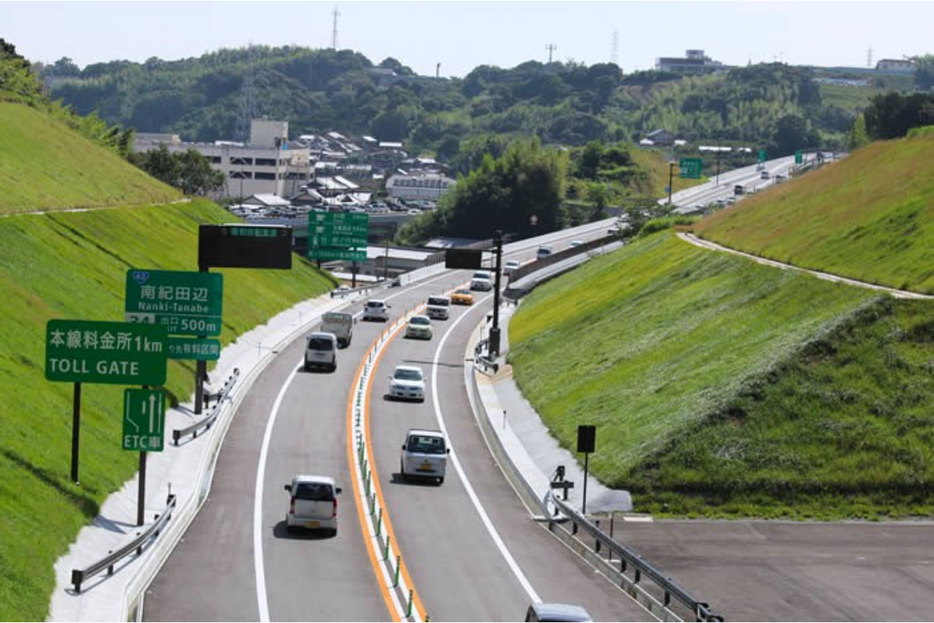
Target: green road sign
<point>691,167</point>
<point>331,253</point>
<point>188,348</point>
<point>143,420</point>
<point>184,302</point>
<point>336,240</point>
<point>762,157</point>
<point>799,157</point>
<point>88,351</point>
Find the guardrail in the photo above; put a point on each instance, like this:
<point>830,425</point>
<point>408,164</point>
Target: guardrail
<point>78,576</point>
<point>179,433</point>
<point>626,557</point>
<point>554,258</point>
<point>382,283</point>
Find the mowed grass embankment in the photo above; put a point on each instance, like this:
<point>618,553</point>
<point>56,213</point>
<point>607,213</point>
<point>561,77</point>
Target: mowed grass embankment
<point>647,342</point>
<point>843,429</point>
<point>869,217</point>
<point>73,265</point>
<point>656,168</point>
<point>44,165</point>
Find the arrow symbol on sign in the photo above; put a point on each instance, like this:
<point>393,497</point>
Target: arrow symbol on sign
<point>127,417</point>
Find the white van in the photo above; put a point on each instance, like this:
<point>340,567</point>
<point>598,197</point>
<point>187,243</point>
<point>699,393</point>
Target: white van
<point>321,351</point>
<point>438,307</point>
<point>481,280</point>
<point>312,503</point>
<point>424,455</point>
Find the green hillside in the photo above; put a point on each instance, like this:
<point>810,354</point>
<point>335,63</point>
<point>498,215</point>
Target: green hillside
<point>714,383</point>
<point>869,216</point>
<point>46,166</point>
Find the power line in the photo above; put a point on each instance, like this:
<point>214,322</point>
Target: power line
<point>551,47</point>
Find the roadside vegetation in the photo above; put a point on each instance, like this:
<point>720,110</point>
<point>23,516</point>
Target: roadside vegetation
<point>647,342</point>
<point>49,167</point>
<point>869,217</point>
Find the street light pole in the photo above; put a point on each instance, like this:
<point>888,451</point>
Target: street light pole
<point>671,172</point>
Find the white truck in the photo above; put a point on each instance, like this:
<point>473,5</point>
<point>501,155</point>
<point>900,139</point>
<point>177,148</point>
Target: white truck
<point>341,325</point>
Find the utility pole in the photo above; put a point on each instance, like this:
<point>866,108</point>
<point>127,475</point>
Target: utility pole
<point>718,164</point>
<point>494,330</point>
<point>386,262</point>
<point>671,173</point>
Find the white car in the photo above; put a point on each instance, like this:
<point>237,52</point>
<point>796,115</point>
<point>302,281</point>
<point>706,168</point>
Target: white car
<point>424,455</point>
<point>511,267</point>
<point>438,307</point>
<point>321,351</point>
<point>544,251</point>
<point>407,383</point>
<point>419,327</point>
<point>376,310</point>
<point>481,280</point>
<point>312,503</point>
<point>575,243</point>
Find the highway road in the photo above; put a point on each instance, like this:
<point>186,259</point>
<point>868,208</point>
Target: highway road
<point>749,177</point>
<point>471,550</point>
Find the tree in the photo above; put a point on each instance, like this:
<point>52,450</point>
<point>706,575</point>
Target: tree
<point>857,136</point>
<point>791,133</point>
<point>188,171</point>
<point>892,115</point>
<point>924,72</point>
<point>589,162</point>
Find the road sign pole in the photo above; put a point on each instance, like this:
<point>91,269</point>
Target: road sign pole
<point>201,367</point>
<point>141,495</point>
<point>353,274</point>
<point>494,331</point>
<point>586,471</point>
<point>75,431</point>
<point>671,173</point>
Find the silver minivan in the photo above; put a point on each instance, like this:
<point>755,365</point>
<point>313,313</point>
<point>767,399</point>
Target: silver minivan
<point>321,351</point>
<point>424,455</point>
<point>312,503</point>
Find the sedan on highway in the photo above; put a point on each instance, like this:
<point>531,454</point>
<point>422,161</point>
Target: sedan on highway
<point>419,327</point>
<point>407,383</point>
<point>462,296</point>
<point>312,503</point>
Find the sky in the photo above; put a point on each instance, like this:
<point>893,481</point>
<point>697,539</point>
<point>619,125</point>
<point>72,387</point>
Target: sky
<point>463,35</point>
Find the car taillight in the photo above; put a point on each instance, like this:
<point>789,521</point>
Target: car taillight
<point>292,506</point>
<point>334,512</point>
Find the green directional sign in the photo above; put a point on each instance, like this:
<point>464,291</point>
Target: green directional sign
<point>799,156</point>
<point>184,302</point>
<point>193,348</point>
<point>691,167</point>
<point>762,156</point>
<point>321,253</point>
<point>337,240</point>
<point>121,353</point>
<point>143,420</point>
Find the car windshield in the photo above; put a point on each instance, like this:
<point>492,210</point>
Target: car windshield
<point>408,374</point>
<point>481,275</point>
<point>420,320</point>
<point>314,491</point>
<point>320,343</point>
<point>425,445</point>
<point>467,292</point>
<point>512,263</point>
<point>438,302</point>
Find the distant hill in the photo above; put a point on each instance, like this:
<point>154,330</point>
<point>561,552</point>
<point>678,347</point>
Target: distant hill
<point>869,216</point>
<point>568,103</point>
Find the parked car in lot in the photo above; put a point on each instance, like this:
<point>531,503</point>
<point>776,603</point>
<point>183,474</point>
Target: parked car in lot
<point>407,382</point>
<point>312,503</point>
<point>424,455</point>
<point>376,309</point>
<point>438,307</point>
<point>481,280</point>
<point>321,351</point>
<point>419,327</point>
<point>462,296</point>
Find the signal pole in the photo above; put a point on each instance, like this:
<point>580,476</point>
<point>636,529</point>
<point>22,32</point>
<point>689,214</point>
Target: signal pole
<point>494,330</point>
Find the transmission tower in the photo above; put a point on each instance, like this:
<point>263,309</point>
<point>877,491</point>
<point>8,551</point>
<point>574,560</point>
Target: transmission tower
<point>869,57</point>
<point>551,47</point>
<point>614,48</point>
<point>336,14</point>
<point>247,99</point>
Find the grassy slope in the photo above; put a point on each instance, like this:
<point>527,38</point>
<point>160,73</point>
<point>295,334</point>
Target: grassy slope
<point>73,265</point>
<point>869,217</point>
<point>46,166</point>
<point>657,167</point>
<point>647,341</point>
<point>844,430</point>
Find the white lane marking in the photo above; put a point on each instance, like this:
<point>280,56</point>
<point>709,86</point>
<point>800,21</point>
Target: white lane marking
<point>497,540</point>
<point>258,565</point>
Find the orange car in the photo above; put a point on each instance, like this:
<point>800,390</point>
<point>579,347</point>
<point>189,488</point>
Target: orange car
<point>462,297</point>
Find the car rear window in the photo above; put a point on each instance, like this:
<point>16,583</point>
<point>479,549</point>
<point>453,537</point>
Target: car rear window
<point>376,304</point>
<point>314,491</point>
<point>320,343</point>
<point>425,445</point>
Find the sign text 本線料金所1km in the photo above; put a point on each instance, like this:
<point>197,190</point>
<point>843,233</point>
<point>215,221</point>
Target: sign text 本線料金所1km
<point>90,351</point>
<point>184,302</point>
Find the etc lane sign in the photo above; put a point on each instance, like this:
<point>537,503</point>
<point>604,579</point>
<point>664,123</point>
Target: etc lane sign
<point>143,420</point>
<point>120,353</point>
<point>185,303</point>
